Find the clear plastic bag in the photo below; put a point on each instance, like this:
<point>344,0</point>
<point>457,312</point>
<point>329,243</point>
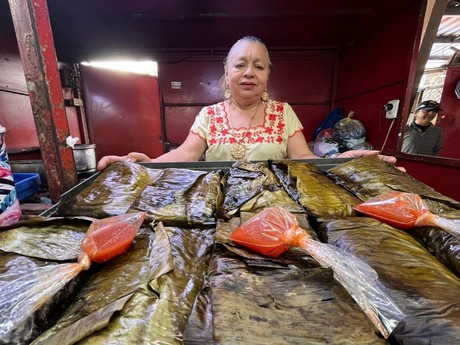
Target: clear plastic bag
<point>406,211</point>
<point>274,230</point>
<point>21,297</point>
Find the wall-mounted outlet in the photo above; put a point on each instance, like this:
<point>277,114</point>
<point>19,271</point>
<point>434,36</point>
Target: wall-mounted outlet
<point>392,109</point>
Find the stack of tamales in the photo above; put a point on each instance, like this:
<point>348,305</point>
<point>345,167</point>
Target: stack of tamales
<point>184,282</point>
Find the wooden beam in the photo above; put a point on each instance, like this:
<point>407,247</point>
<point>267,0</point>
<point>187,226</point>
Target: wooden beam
<point>38,55</point>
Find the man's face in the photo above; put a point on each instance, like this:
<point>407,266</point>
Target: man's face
<point>424,117</point>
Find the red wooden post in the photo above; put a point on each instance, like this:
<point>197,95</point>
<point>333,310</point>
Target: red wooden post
<point>38,55</point>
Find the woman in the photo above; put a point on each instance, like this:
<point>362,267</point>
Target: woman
<point>247,125</point>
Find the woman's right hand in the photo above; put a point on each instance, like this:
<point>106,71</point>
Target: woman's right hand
<point>131,157</point>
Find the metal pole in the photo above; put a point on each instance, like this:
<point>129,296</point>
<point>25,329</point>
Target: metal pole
<point>38,55</point>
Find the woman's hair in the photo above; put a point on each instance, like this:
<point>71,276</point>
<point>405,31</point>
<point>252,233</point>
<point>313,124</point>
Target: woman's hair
<point>251,39</point>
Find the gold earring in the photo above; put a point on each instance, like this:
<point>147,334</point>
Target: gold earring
<point>227,93</point>
<point>265,96</point>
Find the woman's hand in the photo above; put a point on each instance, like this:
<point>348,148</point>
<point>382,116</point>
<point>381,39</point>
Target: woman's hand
<point>363,153</point>
<point>131,157</point>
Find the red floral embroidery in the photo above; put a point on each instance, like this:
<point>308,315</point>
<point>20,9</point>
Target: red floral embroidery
<point>271,131</point>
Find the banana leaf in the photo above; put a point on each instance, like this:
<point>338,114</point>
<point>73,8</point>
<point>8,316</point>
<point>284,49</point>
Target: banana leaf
<point>245,181</point>
<point>367,177</point>
<point>111,193</point>
<point>416,281</point>
<point>287,300</point>
<point>443,245</point>
<point>181,197</point>
<point>313,190</point>
<point>203,198</point>
<point>28,248</point>
<point>56,239</point>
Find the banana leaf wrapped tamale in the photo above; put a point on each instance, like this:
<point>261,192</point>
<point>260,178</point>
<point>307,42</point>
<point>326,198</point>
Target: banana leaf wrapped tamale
<point>161,276</point>
<point>443,245</point>
<point>111,193</point>
<point>181,197</point>
<point>367,177</point>
<point>255,300</point>
<point>306,184</point>
<point>252,186</point>
<point>57,239</point>
<point>102,297</point>
<point>26,250</point>
<point>416,280</point>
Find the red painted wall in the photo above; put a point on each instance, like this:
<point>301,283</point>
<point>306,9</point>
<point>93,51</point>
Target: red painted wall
<point>375,71</point>
<point>123,112</point>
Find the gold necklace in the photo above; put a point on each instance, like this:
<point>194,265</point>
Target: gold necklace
<point>238,150</point>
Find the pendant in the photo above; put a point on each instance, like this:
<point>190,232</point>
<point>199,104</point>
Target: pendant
<point>238,151</point>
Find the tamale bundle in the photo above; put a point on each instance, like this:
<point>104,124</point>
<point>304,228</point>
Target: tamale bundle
<point>161,274</point>
<point>443,245</point>
<point>367,177</point>
<point>416,280</point>
<point>26,250</point>
<point>102,296</point>
<point>111,193</point>
<point>30,292</point>
<point>13,267</point>
<point>274,230</point>
<point>168,199</point>
<point>56,239</point>
<point>255,300</point>
<point>254,186</point>
<point>306,184</point>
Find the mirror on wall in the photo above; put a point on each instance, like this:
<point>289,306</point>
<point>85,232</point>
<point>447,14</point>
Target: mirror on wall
<point>438,80</point>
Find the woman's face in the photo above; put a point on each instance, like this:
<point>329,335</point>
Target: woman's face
<point>247,71</point>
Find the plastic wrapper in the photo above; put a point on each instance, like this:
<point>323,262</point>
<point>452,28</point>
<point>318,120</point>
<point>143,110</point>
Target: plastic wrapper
<point>326,148</point>
<point>104,240</point>
<point>406,211</point>
<point>274,230</point>
<point>349,133</point>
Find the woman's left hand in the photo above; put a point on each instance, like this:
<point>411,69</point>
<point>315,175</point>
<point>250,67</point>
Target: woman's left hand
<point>363,153</point>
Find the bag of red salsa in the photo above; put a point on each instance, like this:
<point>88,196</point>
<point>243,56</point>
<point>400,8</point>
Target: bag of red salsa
<point>405,211</point>
<point>110,237</point>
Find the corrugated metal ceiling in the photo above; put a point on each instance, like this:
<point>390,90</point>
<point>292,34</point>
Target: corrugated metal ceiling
<point>447,42</point>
